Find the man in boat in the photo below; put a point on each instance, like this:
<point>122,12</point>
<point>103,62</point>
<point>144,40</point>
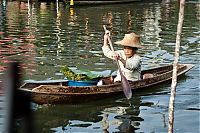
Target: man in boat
<point>129,60</point>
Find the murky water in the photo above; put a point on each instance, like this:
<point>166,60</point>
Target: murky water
<point>45,36</point>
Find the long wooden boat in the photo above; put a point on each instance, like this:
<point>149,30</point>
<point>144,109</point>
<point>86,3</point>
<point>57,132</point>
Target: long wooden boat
<point>100,2</point>
<point>58,91</point>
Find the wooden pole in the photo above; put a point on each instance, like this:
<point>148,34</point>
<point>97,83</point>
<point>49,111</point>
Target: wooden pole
<point>175,65</point>
<point>125,84</point>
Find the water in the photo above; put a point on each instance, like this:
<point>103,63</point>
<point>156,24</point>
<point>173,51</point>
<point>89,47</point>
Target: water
<point>45,36</point>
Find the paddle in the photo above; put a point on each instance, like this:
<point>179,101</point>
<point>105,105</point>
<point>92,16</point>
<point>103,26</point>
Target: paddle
<point>125,85</point>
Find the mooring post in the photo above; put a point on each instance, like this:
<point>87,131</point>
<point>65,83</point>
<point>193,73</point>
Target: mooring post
<point>175,65</point>
<point>18,104</point>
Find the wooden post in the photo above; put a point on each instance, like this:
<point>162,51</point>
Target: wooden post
<point>175,65</point>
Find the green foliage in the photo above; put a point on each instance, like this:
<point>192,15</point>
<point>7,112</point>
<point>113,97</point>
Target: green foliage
<point>81,76</point>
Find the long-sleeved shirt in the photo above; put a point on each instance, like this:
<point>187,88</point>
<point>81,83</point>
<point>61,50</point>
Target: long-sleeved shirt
<point>132,67</point>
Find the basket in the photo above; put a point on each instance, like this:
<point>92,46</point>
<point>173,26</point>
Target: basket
<point>82,83</point>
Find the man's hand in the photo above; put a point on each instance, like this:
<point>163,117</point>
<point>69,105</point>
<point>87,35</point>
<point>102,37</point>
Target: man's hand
<point>106,35</point>
<point>117,56</point>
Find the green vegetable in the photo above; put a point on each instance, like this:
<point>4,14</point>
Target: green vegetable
<point>71,75</point>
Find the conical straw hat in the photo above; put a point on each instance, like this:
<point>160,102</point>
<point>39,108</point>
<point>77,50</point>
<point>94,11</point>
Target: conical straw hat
<point>131,40</point>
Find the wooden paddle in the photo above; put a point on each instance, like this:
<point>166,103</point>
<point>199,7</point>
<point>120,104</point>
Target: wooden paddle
<point>125,84</point>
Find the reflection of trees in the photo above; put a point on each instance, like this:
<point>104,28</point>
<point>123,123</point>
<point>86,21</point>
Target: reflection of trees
<point>169,12</point>
<point>76,35</point>
<point>18,39</point>
<point>27,40</point>
<point>58,29</point>
<point>151,28</point>
<point>129,22</point>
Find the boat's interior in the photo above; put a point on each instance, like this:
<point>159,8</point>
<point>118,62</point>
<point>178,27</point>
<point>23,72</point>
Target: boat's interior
<point>102,81</point>
<point>144,74</point>
<point>110,80</point>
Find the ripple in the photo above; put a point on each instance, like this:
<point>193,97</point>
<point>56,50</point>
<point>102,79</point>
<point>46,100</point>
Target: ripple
<point>76,41</point>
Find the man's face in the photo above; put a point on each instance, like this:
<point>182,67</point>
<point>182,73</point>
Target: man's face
<point>129,51</point>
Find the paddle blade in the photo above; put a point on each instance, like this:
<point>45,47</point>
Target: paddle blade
<point>126,87</point>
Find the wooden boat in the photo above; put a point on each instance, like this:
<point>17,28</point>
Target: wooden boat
<point>100,2</point>
<point>58,91</point>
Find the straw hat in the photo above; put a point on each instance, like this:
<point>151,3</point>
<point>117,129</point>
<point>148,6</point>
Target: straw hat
<point>131,40</point>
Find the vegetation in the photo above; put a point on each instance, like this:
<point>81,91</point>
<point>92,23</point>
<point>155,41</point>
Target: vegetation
<point>83,75</point>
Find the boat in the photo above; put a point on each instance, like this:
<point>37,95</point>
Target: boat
<point>58,91</point>
<point>99,2</point>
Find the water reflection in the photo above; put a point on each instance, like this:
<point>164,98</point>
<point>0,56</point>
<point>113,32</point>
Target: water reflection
<point>73,35</point>
<point>122,118</point>
<point>15,45</point>
<point>47,35</point>
<point>109,115</point>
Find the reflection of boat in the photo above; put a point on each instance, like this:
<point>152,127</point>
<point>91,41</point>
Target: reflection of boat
<point>97,2</point>
<point>57,92</point>
<point>82,117</point>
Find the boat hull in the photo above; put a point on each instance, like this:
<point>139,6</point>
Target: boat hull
<point>100,2</point>
<point>60,93</point>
